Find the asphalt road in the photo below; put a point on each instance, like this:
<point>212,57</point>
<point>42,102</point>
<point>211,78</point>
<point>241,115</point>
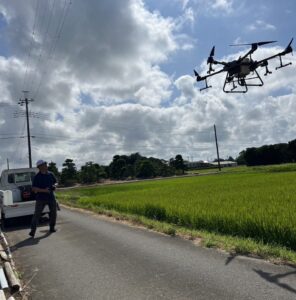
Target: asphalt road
<point>93,258</point>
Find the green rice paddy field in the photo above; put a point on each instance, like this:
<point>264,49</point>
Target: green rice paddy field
<point>257,203</point>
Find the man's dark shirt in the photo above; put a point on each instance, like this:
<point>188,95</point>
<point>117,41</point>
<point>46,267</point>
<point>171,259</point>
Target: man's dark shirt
<point>44,181</point>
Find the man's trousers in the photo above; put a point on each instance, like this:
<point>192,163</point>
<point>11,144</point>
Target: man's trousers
<point>39,206</point>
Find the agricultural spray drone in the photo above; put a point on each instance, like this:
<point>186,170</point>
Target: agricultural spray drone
<point>242,73</point>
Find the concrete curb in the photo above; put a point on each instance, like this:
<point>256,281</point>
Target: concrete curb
<point>9,268</point>
<point>12,279</point>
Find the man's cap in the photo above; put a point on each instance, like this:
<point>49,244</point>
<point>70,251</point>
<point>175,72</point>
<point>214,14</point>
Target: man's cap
<point>40,162</point>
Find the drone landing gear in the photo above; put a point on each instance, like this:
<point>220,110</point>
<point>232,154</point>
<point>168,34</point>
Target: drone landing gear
<point>243,82</point>
<point>207,86</point>
<point>281,64</point>
<point>233,86</point>
<point>267,71</point>
<point>265,64</point>
<point>229,80</point>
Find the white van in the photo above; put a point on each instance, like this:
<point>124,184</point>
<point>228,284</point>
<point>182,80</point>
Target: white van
<point>16,196</point>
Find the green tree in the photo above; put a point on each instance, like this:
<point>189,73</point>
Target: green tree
<point>292,150</point>
<point>52,167</point>
<point>179,163</point>
<point>161,167</point>
<point>118,168</point>
<point>69,173</point>
<point>123,166</point>
<point>241,160</point>
<point>91,172</point>
<point>145,169</point>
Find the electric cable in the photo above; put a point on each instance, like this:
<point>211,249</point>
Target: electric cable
<point>31,44</point>
<point>43,47</point>
<point>51,52</point>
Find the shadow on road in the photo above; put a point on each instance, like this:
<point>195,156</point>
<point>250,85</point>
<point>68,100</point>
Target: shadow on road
<point>275,279</point>
<point>23,223</point>
<point>29,242</point>
<point>272,278</point>
<point>230,258</point>
<point>19,223</point>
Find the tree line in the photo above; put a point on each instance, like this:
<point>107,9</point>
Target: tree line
<point>122,167</point>
<point>268,154</point>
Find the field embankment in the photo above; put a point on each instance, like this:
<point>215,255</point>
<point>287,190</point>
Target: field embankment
<point>259,204</point>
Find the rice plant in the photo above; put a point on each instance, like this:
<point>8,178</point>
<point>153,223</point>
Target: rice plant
<point>260,204</point>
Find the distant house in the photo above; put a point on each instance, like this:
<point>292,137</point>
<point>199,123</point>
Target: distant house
<point>197,164</point>
<point>225,163</point>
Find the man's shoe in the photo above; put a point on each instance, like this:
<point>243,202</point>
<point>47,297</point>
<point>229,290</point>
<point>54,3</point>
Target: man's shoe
<point>52,230</point>
<point>32,233</point>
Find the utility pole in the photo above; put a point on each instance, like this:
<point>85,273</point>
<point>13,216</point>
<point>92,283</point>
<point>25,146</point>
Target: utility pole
<point>7,164</point>
<point>21,103</point>
<point>217,148</point>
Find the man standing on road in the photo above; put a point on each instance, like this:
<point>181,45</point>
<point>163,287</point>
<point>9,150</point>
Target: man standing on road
<point>44,185</point>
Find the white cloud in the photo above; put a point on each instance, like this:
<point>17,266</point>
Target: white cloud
<point>188,17</point>
<point>220,8</point>
<point>184,3</point>
<point>110,53</point>
<point>260,25</point>
<point>114,55</point>
<point>225,5</point>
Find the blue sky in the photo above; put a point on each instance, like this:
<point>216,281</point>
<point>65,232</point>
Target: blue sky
<point>115,77</point>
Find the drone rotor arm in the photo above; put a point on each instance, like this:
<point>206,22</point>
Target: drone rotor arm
<point>250,52</point>
<point>212,74</point>
<point>263,62</point>
<point>198,77</point>
<point>201,78</point>
<point>288,49</point>
<point>216,62</point>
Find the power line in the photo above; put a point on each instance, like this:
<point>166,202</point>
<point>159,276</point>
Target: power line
<point>31,43</point>
<point>57,35</point>
<point>159,128</point>
<point>78,141</point>
<point>12,137</point>
<point>93,137</point>
<point>43,47</point>
<point>64,16</point>
<point>11,134</point>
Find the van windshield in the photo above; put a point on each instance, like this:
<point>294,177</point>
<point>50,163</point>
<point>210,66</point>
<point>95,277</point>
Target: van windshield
<point>24,177</point>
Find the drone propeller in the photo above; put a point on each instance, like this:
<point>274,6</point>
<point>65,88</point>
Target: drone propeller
<point>291,42</point>
<point>289,48</point>
<point>254,44</point>
<point>211,60</point>
<point>198,78</point>
<point>212,51</point>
